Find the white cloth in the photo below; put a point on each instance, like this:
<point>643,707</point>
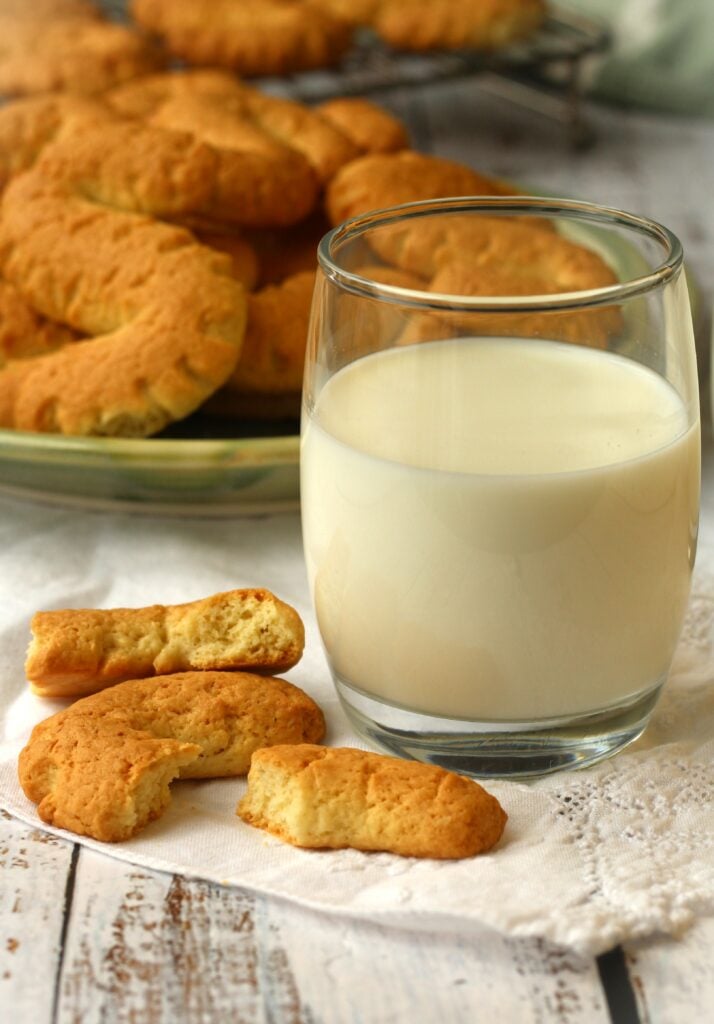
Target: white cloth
<point>588,859</point>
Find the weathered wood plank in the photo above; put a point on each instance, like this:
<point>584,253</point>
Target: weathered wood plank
<point>674,979</point>
<point>144,947</point>
<point>348,972</point>
<point>34,869</point>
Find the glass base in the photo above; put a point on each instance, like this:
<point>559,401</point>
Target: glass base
<point>492,750</point>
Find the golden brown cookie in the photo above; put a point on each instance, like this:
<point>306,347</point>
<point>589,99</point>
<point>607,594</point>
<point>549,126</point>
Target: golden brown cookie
<point>513,256</point>
<point>489,256</point>
<point>80,651</point>
<point>263,37</point>
<point>266,382</point>
<point>49,9</point>
<point>456,24</point>
<point>169,173</point>
<point>23,333</point>
<point>28,125</point>
<point>520,262</point>
<point>379,180</point>
<point>50,46</point>
<point>371,128</point>
<point>244,259</point>
<point>102,767</point>
<point>165,316</point>
<point>151,169</point>
<point>318,797</point>
<point>273,352</point>
<point>356,12</point>
<point>215,107</point>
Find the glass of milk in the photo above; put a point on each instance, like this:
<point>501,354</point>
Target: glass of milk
<point>500,470</point>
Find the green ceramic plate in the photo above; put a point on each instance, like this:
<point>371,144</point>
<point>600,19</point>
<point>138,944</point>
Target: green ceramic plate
<point>180,476</point>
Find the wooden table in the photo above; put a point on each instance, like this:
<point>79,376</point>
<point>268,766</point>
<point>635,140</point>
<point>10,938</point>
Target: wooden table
<point>86,938</point>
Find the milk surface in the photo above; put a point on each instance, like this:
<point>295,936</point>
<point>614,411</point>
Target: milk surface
<point>499,529</point>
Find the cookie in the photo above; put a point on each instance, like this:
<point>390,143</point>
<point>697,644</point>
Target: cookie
<point>103,766</point>
<point>379,180</point>
<point>273,352</point>
<point>81,651</point>
<point>356,12</point>
<point>49,9</point>
<point>267,380</point>
<point>321,797</point>
<point>23,333</point>
<point>152,169</point>
<point>371,128</point>
<point>421,25</point>
<point>28,125</point>
<point>490,256</point>
<point>215,107</point>
<point>164,315</point>
<point>520,262</point>
<point>47,46</point>
<point>244,259</point>
<point>264,37</point>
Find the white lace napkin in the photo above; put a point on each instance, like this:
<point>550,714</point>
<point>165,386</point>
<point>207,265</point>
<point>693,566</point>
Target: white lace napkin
<point>588,859</point>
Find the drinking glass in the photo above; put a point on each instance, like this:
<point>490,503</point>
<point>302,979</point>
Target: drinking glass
<point>500,464</point>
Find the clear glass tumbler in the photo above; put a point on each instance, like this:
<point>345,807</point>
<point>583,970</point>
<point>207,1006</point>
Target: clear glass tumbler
<point>500,466</point>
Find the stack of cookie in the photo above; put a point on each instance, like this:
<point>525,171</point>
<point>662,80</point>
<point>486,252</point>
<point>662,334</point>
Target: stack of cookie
<point>132,228</point>
<point>158,239</point>
<point>165,694</point>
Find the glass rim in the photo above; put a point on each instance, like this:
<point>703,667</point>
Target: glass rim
<point>572,209</point>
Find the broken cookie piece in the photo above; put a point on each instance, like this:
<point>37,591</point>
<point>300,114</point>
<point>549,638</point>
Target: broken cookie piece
<point>75,652</point>
<point>322,797</point>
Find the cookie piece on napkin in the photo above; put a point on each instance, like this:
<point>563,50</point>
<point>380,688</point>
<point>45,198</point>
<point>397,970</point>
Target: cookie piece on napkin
<point>322,797</point>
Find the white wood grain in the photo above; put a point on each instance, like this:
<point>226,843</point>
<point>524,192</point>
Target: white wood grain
<point>348,972</point>
<point>673,980</point>
<point>145,947</point>
<point>34,867</point>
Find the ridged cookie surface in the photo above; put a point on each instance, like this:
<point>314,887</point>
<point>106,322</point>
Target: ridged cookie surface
<point>378,180</point>
<point>322,797</point>
<point>456,24</point>
<point>263,37</point>
<point>215,107</point>
<point>81,651</point>
<point>165,315</point>
<point>102,767</point>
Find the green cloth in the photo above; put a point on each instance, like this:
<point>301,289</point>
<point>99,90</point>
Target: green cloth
<point>662,55</point>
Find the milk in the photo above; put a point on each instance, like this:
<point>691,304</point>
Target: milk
<point>499,529</point>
